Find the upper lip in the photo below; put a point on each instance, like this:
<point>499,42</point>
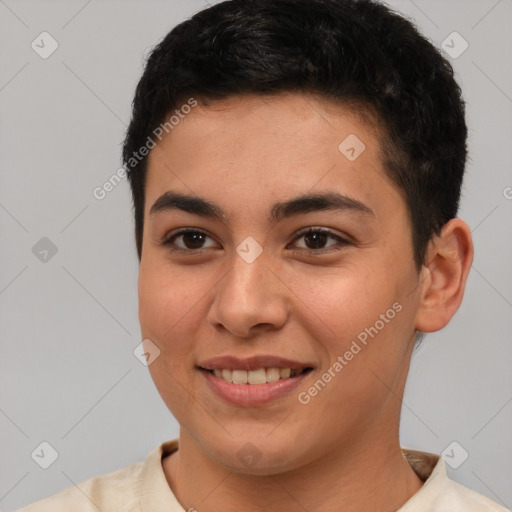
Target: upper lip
<point>251,363</point>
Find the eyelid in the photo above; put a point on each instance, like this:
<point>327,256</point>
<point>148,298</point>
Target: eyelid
<point>321,229</point>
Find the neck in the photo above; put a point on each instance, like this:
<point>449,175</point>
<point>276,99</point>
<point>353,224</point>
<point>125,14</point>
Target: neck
<point>367,477</point>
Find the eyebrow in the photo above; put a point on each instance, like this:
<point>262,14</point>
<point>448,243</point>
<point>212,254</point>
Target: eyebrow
<point>303,204</point>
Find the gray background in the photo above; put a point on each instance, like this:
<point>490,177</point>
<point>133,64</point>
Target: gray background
<point>69,325</point>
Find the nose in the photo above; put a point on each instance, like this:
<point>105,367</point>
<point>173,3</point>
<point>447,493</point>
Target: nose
<point>250,298</point>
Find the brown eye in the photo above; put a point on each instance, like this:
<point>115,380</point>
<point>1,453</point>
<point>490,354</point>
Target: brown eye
<point>191,239</point>
<point>316,239</point>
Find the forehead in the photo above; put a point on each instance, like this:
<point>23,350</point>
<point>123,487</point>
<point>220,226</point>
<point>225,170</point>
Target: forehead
<point>269,147</point>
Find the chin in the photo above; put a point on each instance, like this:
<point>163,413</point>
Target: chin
<point>256,455</point>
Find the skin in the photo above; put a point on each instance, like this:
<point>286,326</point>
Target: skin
<point>245,154</point>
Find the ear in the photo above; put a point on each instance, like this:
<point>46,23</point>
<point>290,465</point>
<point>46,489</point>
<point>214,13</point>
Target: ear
<point>443,276</point>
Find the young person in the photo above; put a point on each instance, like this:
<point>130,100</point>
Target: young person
<point>296,168</point>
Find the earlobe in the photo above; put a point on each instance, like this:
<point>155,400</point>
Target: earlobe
<point>444,276</point>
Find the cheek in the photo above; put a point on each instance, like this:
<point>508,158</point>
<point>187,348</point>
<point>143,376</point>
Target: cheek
<point>365,320</point>
<point>169,304</point>
<point>169,311</point>
<point>345,303</point>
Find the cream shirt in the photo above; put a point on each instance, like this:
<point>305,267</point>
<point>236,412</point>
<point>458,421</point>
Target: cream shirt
<point>142,487</point>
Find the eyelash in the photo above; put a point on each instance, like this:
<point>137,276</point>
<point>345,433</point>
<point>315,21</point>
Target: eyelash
<point>306,231</point>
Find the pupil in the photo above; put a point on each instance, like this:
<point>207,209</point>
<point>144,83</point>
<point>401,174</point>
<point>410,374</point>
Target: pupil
<point>193,240</point>
<point>319,239</point>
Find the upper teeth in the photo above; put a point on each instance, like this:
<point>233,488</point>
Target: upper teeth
<point>261,376</point>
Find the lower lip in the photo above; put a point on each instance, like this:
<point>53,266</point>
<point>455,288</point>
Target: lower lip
<point>250,395</point>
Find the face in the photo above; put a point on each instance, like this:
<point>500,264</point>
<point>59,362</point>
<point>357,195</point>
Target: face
<point>313,300</point>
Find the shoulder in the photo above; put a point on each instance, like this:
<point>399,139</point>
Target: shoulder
<point>458,497</point>
<point>118,490</point>
<point>441,494</point>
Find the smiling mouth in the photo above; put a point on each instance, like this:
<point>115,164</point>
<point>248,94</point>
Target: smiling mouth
<point>259,376</point>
